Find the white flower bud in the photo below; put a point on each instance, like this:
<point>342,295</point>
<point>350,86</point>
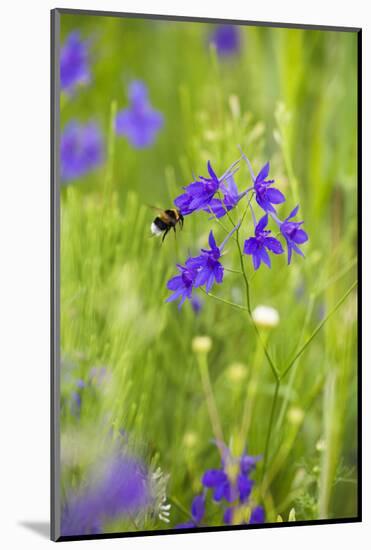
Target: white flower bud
<point>265,316</point>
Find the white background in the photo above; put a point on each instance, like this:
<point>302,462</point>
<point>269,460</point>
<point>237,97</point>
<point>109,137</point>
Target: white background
<point>24,269</point>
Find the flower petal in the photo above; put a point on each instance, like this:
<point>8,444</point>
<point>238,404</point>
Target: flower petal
<point>273,245</point>
<point>211,172</point>
<point>300,236</point>
<point>261,225</point>
<point>275,196</point>
<point>213,478</point>
<point>263,173</point>
<point>293,213</point>
<point>250,246</point>
<point>265,256</point>
<point>212,242</point>
<point>198,508</point>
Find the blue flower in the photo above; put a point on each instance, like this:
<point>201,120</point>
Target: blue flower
<point>293,234</point>
<point>227,39</point>
<point>182,284</point>
<point>257,515</point>
<point>231,482</point>
<point>197,512</point>
<point>139,123</point>
<point>207,266</point>
<point>81,150</point>
<point>257,246</point>
<point>197,304</point>
<point>266,196</point>
<point>231,197</point>
<point>117,488</point>
<point>198,194</point>
<point>74,63</point>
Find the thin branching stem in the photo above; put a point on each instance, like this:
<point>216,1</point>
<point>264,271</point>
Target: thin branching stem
<point>316,330</point>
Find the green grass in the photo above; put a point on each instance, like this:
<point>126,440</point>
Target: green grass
<point>289,97</point>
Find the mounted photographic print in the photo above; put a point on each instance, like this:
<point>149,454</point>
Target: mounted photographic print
<point>205,238</point>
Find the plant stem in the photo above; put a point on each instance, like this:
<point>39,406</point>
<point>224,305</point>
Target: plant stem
<point>270,425</point>
<point>317,329</point>
<point>238,306</point>
<point>210,400</point>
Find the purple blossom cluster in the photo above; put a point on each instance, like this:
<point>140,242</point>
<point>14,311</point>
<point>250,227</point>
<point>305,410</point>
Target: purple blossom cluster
<point>82,145</point>
<point>118,487</point>
<point>139,123</point>
<point>218,197</point>
<point>230,487</point>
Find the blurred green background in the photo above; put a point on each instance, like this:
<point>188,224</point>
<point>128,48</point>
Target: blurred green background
<point>288,96</point>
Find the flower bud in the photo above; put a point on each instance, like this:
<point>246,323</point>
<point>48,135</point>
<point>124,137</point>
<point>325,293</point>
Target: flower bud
<point>201,344</point>
<point>265,317</point>
<point>236,372</point>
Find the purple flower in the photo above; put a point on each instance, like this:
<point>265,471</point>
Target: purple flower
<point>257,246</point>
<point>197,512</point>
<point>139,123</point>
<point>197,304</point>
<point>293,234</point>
<point>231,487</point>
<point>182,284</point>
<point>266,196</point>
<point>257,515</point>
<point>74,63</point>
<point>207,266</point>
<point>198,194</point>
<point>81,150</point>
<point>231,197</point>
<point>119,487</point>
<point>227,39</point>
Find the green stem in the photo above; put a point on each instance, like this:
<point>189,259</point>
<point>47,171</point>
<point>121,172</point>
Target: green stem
<point>270,426</point>
<point>210,400</point>
<point>317,329</point>
<point>223,300</point>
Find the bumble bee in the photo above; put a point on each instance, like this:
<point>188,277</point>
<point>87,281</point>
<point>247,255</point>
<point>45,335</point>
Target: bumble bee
<point>166,220</point>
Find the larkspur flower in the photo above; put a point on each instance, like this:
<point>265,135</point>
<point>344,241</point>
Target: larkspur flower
<point>199,193</point>
<point>293,234</point>
<point>197,304</point>
<point>231,482</point>
<point>231,197</point>
<point>198,271</point>
<point>257,246</point>
<point>118,487</point>
<point>266,196</point>
<point>197,513</point>
<point>74,63</point>
<point>81,150</point>
<point>227,39</point>
<point>207,266</point>
<point>182,284</point>
<point>139,123</point>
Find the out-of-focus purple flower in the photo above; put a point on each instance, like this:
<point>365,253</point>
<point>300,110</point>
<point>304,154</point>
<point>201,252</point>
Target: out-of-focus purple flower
<point>207,266</point>
<point>197,512</point>
<point>293,234</point>
<point>76,398</point>
<point>257,515</point>
<point>81,150</point>
<point>117,488</point>
<point>257,246</point>
<point>98,375</point>
<point>266,196</point>
<point>227,39</point>
<point>182,284</point>
<point>231,482</point>
<point>139,123</point>
<point>74,62</point>
<point>198,194</point>
<point>196,304</point>
<point>231,197</point>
